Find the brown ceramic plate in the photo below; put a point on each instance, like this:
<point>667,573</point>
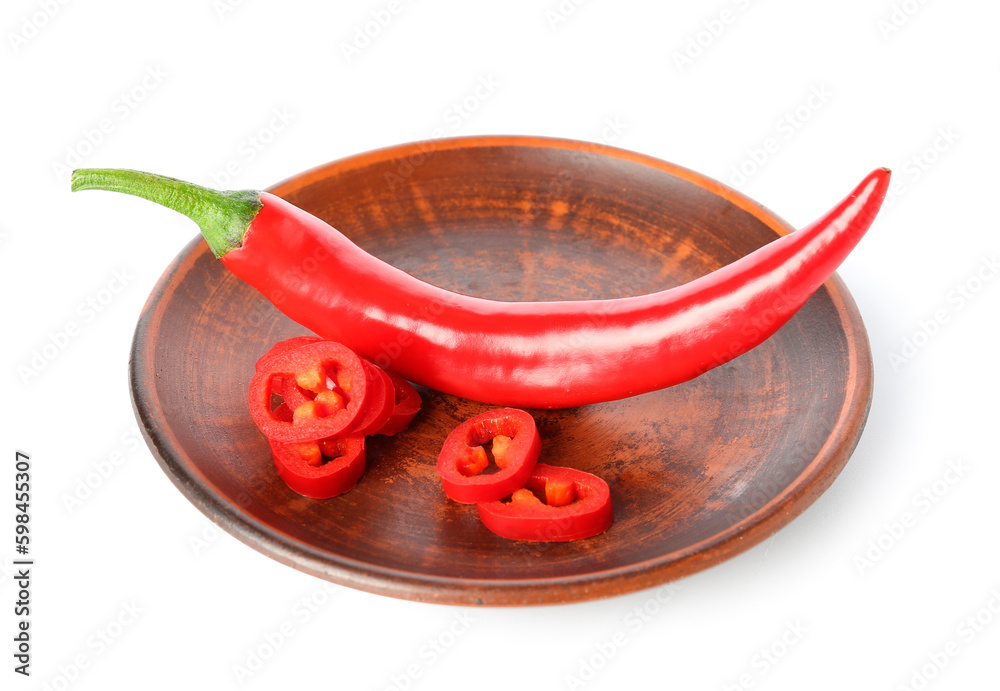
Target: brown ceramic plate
<point>698,472</point>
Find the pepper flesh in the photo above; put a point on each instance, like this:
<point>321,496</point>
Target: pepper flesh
<point>406,405</point>
<point>286,387</point>
<point>577,505</point>
<point>519,354</point>
<point>283,347</point>
<point>380,402</point>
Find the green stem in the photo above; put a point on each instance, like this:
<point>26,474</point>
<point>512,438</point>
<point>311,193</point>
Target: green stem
<point>222,216</point>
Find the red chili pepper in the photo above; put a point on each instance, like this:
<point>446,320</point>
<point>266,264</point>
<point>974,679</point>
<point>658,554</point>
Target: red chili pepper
<point>333,375</point>
<point>406,404</point>
<point>319,469</point>
<point>577,505</point>
<point>510,353</point>
<point>402,408</point>
<point>463,458</point>
<point>380,402</point>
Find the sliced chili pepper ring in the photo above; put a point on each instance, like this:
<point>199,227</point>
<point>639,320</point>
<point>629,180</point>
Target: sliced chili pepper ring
<point>291,394</point>
<point>460,463</point>
<point>380,402</point>
<point>301,466</point>
<point>336,376</point>
<point>406,404</point>
<point>583,510</point>
<point>285,386</point>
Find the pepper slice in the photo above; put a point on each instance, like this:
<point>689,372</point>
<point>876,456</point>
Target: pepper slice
<point>283,347</point>
<point>319,469</point>
<point>380,402</point>
<point>333,382</point>
<point>577,505</point>
<point>285,386</point>
<point>406,404</point>
<point>463,458</point>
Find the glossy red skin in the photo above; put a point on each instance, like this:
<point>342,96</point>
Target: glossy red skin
<point>380,400</point>
<point>334,477</point>
<point>283,367</point>
<point>523,453</point>
<point>589,515</point>
<point>406,405</point>
<point>540,354</point>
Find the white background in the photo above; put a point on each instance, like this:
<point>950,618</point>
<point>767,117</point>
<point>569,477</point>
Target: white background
<point>846,595</point>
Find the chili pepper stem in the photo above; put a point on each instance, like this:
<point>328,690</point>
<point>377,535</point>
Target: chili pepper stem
<point>222,216</point>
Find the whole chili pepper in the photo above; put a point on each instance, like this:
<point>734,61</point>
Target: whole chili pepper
<point>519,354</point>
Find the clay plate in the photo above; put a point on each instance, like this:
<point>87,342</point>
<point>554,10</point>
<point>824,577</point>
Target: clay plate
<point>698,472</point>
